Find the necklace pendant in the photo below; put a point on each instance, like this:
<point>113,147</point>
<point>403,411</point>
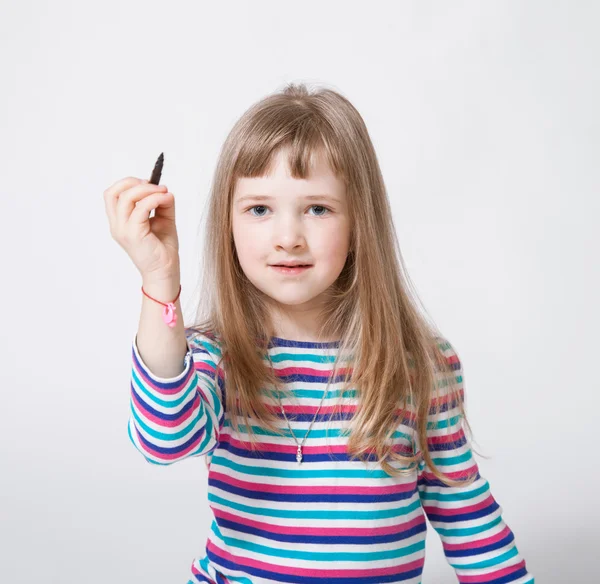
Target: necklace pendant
<point>299,454</point>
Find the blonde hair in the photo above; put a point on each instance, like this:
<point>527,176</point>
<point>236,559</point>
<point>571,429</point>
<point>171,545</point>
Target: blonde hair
<point>397,355</point>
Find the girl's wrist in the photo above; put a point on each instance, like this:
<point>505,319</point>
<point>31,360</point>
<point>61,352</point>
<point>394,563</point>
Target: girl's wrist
<point>163,290</point>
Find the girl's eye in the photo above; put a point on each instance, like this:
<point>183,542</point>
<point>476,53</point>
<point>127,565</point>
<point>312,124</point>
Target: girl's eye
<point>265,207</point>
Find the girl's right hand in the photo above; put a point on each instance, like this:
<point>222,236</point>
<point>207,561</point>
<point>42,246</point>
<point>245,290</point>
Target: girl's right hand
<point>151,242</point>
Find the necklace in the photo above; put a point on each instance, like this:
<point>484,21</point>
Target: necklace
<point>299,449</point>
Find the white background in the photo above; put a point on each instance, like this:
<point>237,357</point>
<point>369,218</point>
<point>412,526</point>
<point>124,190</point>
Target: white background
<point>485,119</point>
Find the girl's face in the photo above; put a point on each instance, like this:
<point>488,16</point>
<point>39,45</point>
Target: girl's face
<point>278,218</point>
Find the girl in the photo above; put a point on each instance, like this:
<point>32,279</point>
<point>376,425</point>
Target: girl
<point>329,410</point>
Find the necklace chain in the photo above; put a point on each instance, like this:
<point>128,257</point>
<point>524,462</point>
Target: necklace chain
<point>299,449</point>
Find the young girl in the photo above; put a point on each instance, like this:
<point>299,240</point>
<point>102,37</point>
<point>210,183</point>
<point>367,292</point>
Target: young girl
<point>329,410</point>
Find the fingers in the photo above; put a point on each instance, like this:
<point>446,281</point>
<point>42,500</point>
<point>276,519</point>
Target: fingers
<point>128,200</point>
<point>111,196</point>
<point>141,212</point>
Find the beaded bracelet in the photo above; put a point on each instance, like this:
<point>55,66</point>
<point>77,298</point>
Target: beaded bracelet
<point>169,314</point>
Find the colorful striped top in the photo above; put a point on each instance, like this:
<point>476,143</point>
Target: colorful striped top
<point>330,518</point>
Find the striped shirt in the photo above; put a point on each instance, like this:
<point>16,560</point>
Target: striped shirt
<point>330,518</point>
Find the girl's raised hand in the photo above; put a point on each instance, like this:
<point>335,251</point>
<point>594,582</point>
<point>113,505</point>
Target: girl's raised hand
<point>151,242</point>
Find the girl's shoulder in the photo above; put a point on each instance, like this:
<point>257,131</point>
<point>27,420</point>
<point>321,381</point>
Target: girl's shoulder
<point>448,354</point>
<point>446,348</point>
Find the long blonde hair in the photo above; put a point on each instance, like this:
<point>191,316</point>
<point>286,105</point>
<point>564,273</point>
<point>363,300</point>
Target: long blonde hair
<point>397,355</point>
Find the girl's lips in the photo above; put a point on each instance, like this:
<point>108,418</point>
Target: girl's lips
<point>291,270</point>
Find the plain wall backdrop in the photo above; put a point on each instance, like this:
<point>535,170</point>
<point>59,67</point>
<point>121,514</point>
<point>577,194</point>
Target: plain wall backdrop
<point>485,119</point>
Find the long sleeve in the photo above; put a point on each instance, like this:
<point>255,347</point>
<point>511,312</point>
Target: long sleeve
<point>175,418</point>
<point>476,541</point>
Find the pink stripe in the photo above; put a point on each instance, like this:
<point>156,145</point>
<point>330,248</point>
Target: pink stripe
<point>459,474</point>
<point>446,439</point>
<point>469,545</point>
<point>167,423</point>
<point>445,398</point>
<point>319,531</point>
<point>313,572</point>
<point>198,366</point>
<point>453,511</point>
<point>312,489</point>
<point>346,409</point>
<point>173,455</point>
<point>312,409</point>
<point>477,579</point>
<point>285,448</point>
<point>309,371</point>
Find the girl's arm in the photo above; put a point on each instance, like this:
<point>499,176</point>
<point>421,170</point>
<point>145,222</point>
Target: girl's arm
<point>172,418</point>
<point>477,542</point>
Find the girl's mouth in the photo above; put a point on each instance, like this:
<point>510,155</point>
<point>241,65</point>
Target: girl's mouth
<point>291,270</point>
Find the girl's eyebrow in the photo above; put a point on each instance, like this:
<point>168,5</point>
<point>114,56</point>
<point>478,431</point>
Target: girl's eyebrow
<point>268,197</point>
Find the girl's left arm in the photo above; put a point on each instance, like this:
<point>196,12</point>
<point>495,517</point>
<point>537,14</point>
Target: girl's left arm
<point>477,542</point>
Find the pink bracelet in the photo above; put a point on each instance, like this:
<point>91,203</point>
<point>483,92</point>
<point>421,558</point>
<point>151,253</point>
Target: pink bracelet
<point>169,314</point>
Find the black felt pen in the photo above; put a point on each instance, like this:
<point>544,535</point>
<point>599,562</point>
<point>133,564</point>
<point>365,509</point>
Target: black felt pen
<point>155,178</point>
